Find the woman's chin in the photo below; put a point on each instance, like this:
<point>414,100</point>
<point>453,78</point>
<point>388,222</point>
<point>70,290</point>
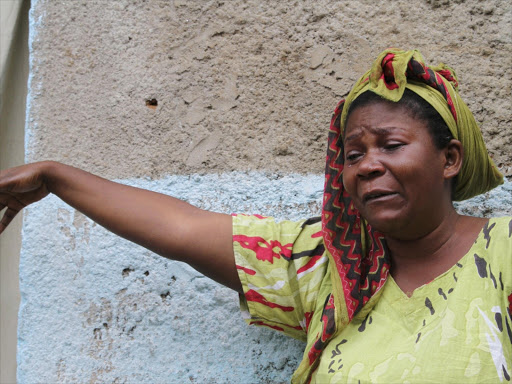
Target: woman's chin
<point>389,224</point>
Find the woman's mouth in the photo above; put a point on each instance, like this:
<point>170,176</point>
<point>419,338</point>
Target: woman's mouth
<point>377,196</point>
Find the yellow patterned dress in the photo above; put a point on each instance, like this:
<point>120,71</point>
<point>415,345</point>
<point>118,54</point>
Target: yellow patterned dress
<point>456,329</point>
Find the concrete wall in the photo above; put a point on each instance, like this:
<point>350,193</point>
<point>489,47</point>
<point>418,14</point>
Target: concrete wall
<point>225,105</point>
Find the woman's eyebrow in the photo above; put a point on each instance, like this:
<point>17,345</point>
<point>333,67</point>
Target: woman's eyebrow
<point>375,130</point>
<point>385,130</point>
<point>353,136</point>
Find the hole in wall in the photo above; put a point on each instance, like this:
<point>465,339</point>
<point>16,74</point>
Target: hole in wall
<point>151,103</point>
<point>165,295</point>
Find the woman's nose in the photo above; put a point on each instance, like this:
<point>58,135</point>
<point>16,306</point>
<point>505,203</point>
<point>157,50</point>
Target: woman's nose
<point>370,166</point>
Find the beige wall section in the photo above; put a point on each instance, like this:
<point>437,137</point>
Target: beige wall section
<point>243,84</point>
<point>13,92</point>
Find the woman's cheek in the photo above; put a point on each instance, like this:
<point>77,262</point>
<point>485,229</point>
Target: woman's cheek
<point>349,183</point>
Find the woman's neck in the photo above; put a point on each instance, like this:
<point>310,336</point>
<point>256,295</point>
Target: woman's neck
<point>417,262</point>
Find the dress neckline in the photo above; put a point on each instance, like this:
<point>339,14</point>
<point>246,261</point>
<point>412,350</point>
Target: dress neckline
<point>458,266</point>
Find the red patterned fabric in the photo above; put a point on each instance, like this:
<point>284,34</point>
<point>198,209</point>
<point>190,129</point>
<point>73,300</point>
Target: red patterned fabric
<point>362,266</point>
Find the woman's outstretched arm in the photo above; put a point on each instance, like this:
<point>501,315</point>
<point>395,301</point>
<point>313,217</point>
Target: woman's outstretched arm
<point>163,224</point>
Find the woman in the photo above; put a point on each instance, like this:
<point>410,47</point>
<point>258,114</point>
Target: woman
<point>401,147</point>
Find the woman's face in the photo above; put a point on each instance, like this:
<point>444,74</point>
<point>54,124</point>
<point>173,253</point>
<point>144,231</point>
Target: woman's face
<point>393,171</point>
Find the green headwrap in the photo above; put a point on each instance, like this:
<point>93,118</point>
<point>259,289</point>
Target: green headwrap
<point>393,71</point>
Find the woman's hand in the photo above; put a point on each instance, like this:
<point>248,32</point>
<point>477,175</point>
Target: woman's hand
<point>163,224</point>
<point>20,187</point>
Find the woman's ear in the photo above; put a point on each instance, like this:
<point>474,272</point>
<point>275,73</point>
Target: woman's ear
<point>454,154</point>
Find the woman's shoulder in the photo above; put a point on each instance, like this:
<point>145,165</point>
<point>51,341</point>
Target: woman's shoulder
<point>493,247</point>
<point>498,230</point>
<point>269,228</point>
<point>502,220</point>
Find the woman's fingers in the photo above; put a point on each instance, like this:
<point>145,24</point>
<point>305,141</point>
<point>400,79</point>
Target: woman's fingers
<point>12,205</point>
<point>19,187</point>
<point>8,216</point>
<point>25,178</point>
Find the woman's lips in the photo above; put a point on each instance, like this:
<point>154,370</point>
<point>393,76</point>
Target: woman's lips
<point>375,196</point>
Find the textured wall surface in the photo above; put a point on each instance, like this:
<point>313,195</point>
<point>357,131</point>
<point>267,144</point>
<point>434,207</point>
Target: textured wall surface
<point>226,105</point>
<point>240,84</point>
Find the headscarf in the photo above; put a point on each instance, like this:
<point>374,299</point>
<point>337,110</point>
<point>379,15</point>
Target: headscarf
<point>358,255</point>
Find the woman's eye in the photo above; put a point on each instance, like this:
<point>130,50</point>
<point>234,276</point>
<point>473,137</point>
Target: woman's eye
<point>393,146</point>
<point>352,156</point>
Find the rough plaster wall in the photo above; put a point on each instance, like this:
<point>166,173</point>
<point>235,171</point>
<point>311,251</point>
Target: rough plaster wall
<point>239,86</point>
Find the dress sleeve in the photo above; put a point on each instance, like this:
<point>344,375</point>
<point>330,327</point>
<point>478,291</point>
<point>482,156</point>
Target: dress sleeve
<point>281,267</point>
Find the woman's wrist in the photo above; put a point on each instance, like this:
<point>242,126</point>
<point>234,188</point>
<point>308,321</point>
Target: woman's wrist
<point>49,171</point>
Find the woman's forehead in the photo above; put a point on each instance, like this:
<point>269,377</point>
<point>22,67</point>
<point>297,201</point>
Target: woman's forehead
<point>381,115</point>
<point>357,132</point>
